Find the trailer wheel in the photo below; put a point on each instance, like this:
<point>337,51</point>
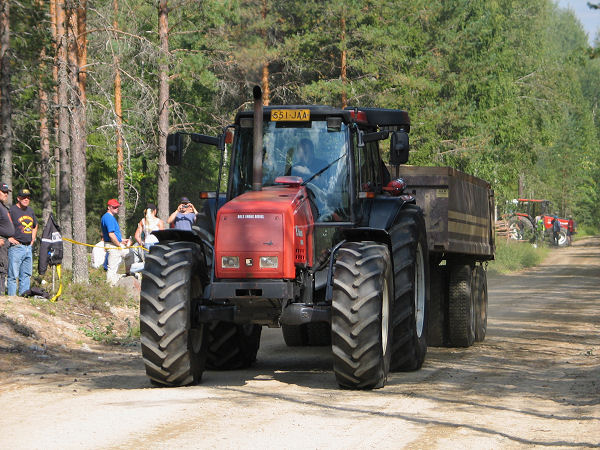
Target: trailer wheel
<point>461,305</point>
<point>361,325</point>
<point>411,290</point>
<point>294,335</point>
<point>232,346</point>
<point>174,351</point>
<point>481,304</point>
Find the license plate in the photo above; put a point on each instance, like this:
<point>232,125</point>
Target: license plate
<point>290,115</point>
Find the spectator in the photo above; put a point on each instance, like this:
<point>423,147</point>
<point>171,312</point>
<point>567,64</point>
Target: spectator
<point>555,230</point>
<point>570,229</point>
<point>184,216</point>
<point>20,255</point>
<point>114,243</point>
<point>7,230</point>
<point>150,223</point>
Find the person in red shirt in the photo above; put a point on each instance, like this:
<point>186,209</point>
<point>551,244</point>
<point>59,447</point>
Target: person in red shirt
<point>570,229</point>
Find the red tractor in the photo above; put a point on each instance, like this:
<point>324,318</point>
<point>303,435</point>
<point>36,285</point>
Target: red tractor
<point>534,222</point>
<point>313,236</point>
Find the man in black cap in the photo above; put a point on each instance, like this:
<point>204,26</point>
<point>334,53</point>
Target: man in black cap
<point>7,229</point>
<point>184,216</point>
<point>20,254</point>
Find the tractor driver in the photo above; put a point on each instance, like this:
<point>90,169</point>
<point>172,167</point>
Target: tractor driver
<point>304,159</point>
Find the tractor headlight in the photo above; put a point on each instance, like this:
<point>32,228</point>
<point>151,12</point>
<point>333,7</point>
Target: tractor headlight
<point>268,262</point>
<point>230,262</point>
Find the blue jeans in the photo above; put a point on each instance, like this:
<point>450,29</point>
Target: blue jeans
<point>20,265</point>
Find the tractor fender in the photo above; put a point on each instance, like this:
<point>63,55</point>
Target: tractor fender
<point>384,213</point>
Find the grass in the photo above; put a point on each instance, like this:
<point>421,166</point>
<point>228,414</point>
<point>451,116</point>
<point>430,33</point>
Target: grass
<point>512,256</point>
<point>90,305</point>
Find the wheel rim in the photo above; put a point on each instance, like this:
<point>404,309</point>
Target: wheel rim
<point>419,291</point>
<point>385,316</point>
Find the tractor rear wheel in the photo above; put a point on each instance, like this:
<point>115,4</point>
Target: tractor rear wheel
<point>232,346</point>
<point>294,335</point>
<point>319,334</point>
<point>461,305</point>
<point>480,304</point>
<point>411,281</point>
<point>361,324</point>
<point>173,348</point>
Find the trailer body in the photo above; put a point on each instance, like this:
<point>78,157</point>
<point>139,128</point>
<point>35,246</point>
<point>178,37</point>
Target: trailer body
<point>458,208</point>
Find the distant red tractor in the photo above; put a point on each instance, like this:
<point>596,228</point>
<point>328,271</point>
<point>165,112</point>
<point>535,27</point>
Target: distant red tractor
<point>523,224</point>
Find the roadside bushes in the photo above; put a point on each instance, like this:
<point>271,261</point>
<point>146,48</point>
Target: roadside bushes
<point>512,256</point>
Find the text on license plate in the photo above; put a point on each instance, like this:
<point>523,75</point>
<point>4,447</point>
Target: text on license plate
<point>300,115</point>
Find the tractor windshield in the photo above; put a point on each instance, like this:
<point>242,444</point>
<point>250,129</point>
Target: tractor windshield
<point>307,150</point>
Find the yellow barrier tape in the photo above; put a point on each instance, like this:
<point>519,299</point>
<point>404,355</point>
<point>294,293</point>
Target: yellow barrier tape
<point>90,245</point>
<point>59,272</point>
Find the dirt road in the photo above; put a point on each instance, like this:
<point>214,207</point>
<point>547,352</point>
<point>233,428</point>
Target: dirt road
<point>534,382</point>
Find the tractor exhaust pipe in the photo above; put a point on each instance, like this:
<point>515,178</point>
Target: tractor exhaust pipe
<point>258,140</point>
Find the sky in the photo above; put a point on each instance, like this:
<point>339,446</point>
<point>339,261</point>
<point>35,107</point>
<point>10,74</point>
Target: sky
<point>589,18</point>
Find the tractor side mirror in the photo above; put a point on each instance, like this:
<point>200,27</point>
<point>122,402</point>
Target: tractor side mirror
<point>174,149</point>
<point>399,148</point>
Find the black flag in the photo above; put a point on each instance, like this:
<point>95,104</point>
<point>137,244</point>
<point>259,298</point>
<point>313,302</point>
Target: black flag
<point>51,250</point>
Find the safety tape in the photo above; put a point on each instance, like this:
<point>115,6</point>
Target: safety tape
<point>59,268</point>
<point>93,246</point>
<point>59,272</point>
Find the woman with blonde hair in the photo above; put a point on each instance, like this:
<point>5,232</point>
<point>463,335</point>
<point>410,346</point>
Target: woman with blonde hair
<point>147,225</point>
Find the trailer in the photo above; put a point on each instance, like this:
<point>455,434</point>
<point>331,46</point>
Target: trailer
<point>459,218</point>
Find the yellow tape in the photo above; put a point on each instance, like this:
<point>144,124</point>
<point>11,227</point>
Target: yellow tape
<point>59,272</point>
<point>90,245</point>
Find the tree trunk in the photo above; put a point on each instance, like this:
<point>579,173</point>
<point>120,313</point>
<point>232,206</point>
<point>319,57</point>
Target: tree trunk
<point>77,62</point>
<point>163,113</point>
<point>5,96</point>
<point>54,27</point>
<point>119,127</point>
<point>63,136</point>
<point>46,196</point>
<point>344,64</point>
<point>265,68</point>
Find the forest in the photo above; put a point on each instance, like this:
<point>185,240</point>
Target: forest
<point>505,90</point>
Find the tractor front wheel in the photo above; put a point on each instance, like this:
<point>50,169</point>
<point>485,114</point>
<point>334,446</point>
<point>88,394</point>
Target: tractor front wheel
<point>173,348</point>
<point>361,324</point>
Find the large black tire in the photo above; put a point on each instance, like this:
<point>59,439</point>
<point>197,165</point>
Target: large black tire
<point>521,229</point>
<point>461,304</point>
<point>316,334</point>
<point>174,351</point>
<point>319,334</point>
<point>438,306</point>
<point>411,291</point>
<point>361,324</point>
<point>294,335</point>
<point>232,346</point>
<point>481,304</point>
<point>563,239</point>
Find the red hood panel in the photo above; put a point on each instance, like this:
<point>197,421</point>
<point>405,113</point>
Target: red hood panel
<point>262,223</point>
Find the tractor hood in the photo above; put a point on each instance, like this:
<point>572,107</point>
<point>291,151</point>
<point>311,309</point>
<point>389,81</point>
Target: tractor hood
<point>265,234</point>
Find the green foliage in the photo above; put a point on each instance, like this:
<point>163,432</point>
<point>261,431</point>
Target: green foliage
<point>514,256</point>
<point>501,89</point>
